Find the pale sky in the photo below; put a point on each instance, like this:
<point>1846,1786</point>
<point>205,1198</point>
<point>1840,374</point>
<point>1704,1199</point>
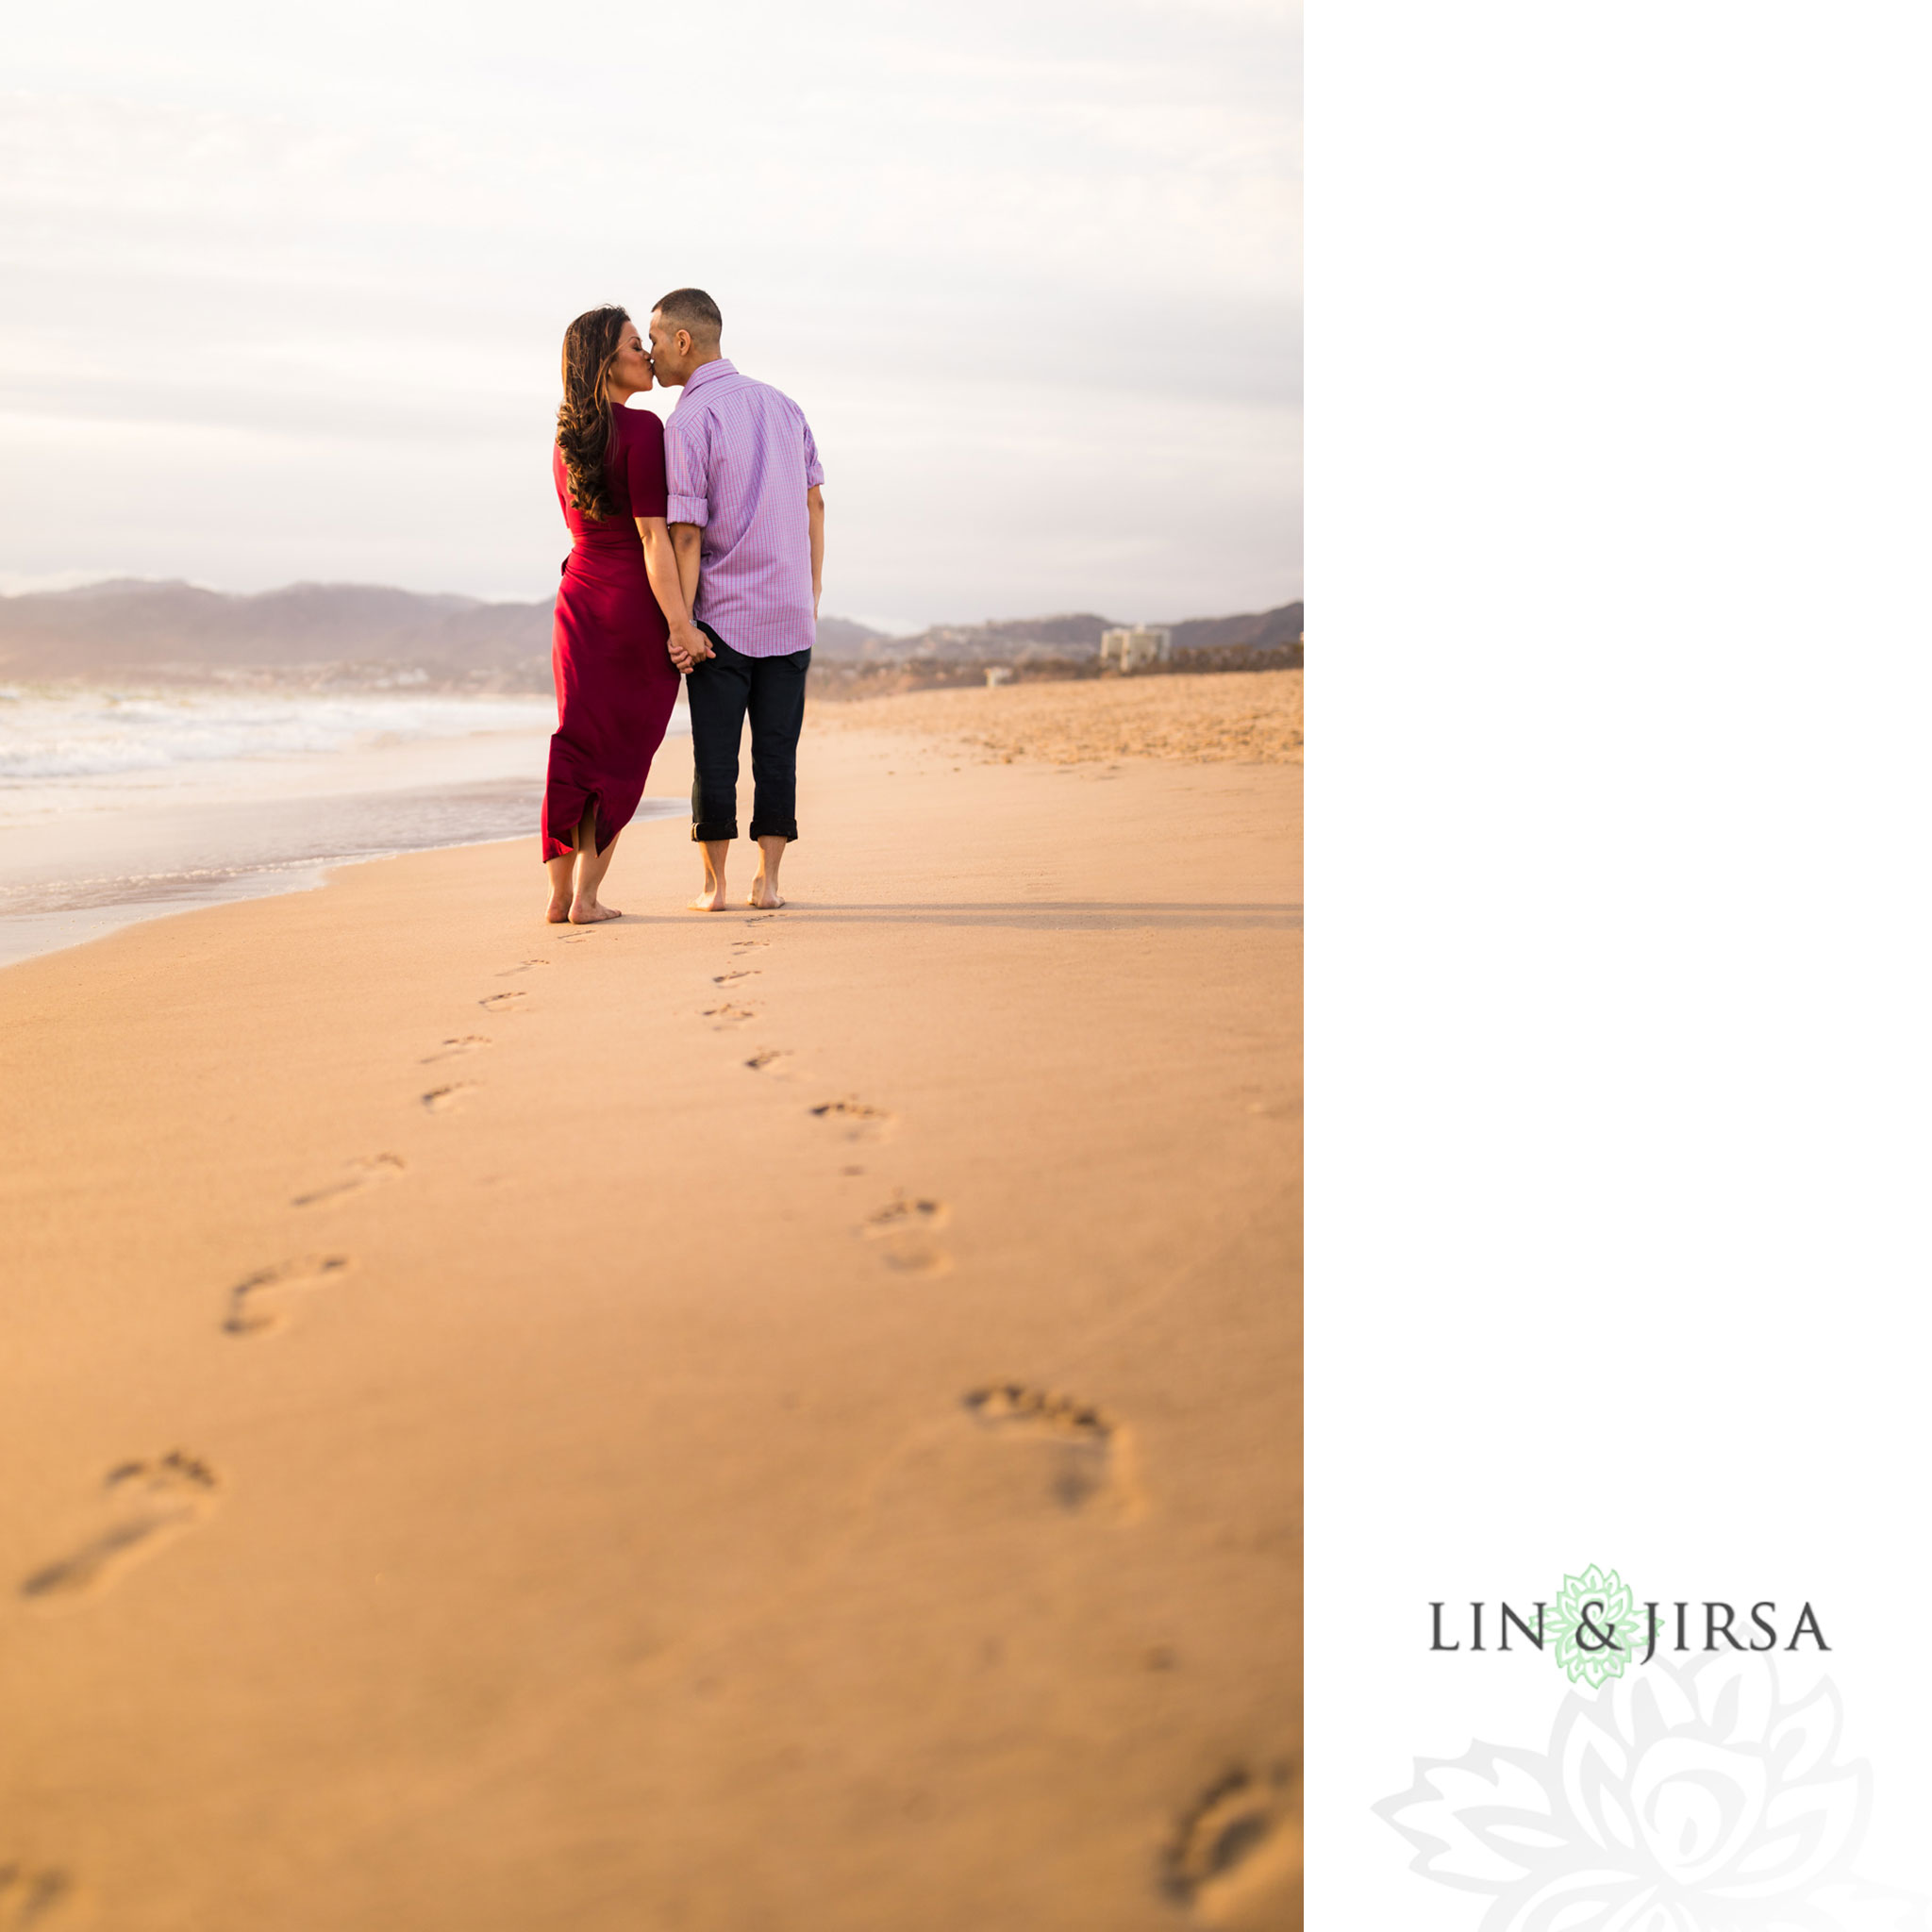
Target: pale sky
<point>284,289</point>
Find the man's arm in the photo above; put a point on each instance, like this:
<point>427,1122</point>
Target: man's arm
<point>815,516</point>
<point>687,481</point>
<point>687,540</point>
<point>687,642</point>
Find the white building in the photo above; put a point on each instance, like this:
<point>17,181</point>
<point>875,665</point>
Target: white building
<point>1130,649</point>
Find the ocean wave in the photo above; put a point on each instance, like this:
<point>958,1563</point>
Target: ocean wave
<point>63,736</point>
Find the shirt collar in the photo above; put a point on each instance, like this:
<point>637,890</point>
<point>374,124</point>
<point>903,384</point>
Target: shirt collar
<point>707,373</point>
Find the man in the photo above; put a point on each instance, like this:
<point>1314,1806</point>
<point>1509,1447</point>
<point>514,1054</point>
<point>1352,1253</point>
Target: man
<point>747,521</point>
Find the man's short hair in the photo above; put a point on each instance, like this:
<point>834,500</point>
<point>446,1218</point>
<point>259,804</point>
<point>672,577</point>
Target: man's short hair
<point>692,309</point>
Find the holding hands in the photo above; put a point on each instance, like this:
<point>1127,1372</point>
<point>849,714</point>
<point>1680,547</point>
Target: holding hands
<point>688,646</point>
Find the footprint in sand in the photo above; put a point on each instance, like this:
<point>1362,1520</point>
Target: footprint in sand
<point>463,1042</point>
<point>767,1058</point>
<point>749,945</point>
<point>149,1504</point>
<point>501,1002</point>
<point>1088,1450</point>
<point>738,972</point>
<point>910,1256</point>
<point>30,1896</point>
<point>442,1099</point>
<point>1236,1851</point>
<point>902,1227</point>
<point>729,1015</point>
<point>524,966</point>
<point>262,1302</point>
<point>368,1173</point>
<point>901,1215</point>
<point>855,1120</point>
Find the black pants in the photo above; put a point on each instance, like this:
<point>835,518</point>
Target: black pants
<point>722,691</point>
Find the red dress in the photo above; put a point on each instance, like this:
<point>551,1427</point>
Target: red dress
<point>615,681</point>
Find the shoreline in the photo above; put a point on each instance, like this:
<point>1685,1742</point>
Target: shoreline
<point>120,807</point>
<point>35,935</point>
<point>106,848</point>
<point>788,1417</point>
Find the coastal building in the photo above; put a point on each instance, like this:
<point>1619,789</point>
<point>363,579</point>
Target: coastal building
<point>1132,648</point>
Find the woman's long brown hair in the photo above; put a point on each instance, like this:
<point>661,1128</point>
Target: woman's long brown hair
<point>583,421</point>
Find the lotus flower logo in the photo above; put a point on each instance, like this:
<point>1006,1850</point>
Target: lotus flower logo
<point>1598,1630</point>
<point>1685,1800</point>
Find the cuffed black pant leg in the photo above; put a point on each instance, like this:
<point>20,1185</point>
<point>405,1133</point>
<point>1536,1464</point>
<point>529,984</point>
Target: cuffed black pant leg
<point>722,691</point>
<point>718,690</point>
<point>777,714</point>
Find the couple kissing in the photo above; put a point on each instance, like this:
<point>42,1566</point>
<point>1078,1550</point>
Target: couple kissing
<point>698,547</point>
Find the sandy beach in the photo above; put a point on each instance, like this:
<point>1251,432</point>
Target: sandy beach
<point>772,1423</point>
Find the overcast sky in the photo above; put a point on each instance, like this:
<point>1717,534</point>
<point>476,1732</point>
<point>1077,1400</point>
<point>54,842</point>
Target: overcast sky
<point>284,289</point>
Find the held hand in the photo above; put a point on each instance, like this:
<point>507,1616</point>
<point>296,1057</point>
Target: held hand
<point>688,647</point>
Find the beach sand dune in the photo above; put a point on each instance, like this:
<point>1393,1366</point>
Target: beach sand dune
<point>492,1441</point>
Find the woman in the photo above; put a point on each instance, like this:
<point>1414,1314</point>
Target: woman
<point>621,612</point>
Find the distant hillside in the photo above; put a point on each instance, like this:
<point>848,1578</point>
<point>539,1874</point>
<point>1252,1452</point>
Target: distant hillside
<point>1262,632</point>
<point>838,636</point>
<point>133,624</point>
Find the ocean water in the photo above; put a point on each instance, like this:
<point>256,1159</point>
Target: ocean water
<point>129,741</point>
<point>118,804</point>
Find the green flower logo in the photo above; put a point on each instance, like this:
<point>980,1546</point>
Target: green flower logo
<point>1598,1630</point>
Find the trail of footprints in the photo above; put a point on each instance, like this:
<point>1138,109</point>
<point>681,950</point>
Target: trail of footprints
<point>147,1504</point>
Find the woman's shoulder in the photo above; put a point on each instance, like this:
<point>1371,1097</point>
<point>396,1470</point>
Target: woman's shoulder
<point>646,423</point>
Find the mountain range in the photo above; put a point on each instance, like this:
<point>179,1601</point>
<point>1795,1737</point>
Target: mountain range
<point>131,625</point>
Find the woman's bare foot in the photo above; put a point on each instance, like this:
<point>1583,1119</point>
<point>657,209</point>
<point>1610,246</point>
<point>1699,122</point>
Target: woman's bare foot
<point>763,898</point>
<point>592,913</point>
<point>560,908</point>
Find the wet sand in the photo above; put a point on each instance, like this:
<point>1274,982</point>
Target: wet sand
<point>749,1421</point>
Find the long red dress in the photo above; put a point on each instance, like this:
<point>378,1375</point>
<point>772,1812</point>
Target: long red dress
<point>615,681</point>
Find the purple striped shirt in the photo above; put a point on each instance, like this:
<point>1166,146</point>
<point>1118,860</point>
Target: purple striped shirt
<point>738,458</point>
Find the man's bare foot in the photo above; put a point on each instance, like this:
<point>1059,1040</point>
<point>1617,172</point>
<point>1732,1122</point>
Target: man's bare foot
<point>710,900</point>
<point>592,913</point>
<point>764,898</point>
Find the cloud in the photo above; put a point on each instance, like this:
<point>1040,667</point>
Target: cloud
<point>1033,271</point>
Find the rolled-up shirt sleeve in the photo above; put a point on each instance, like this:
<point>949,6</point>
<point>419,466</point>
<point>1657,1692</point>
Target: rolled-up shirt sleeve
<point>687,472</point>
<point>814,469</point>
